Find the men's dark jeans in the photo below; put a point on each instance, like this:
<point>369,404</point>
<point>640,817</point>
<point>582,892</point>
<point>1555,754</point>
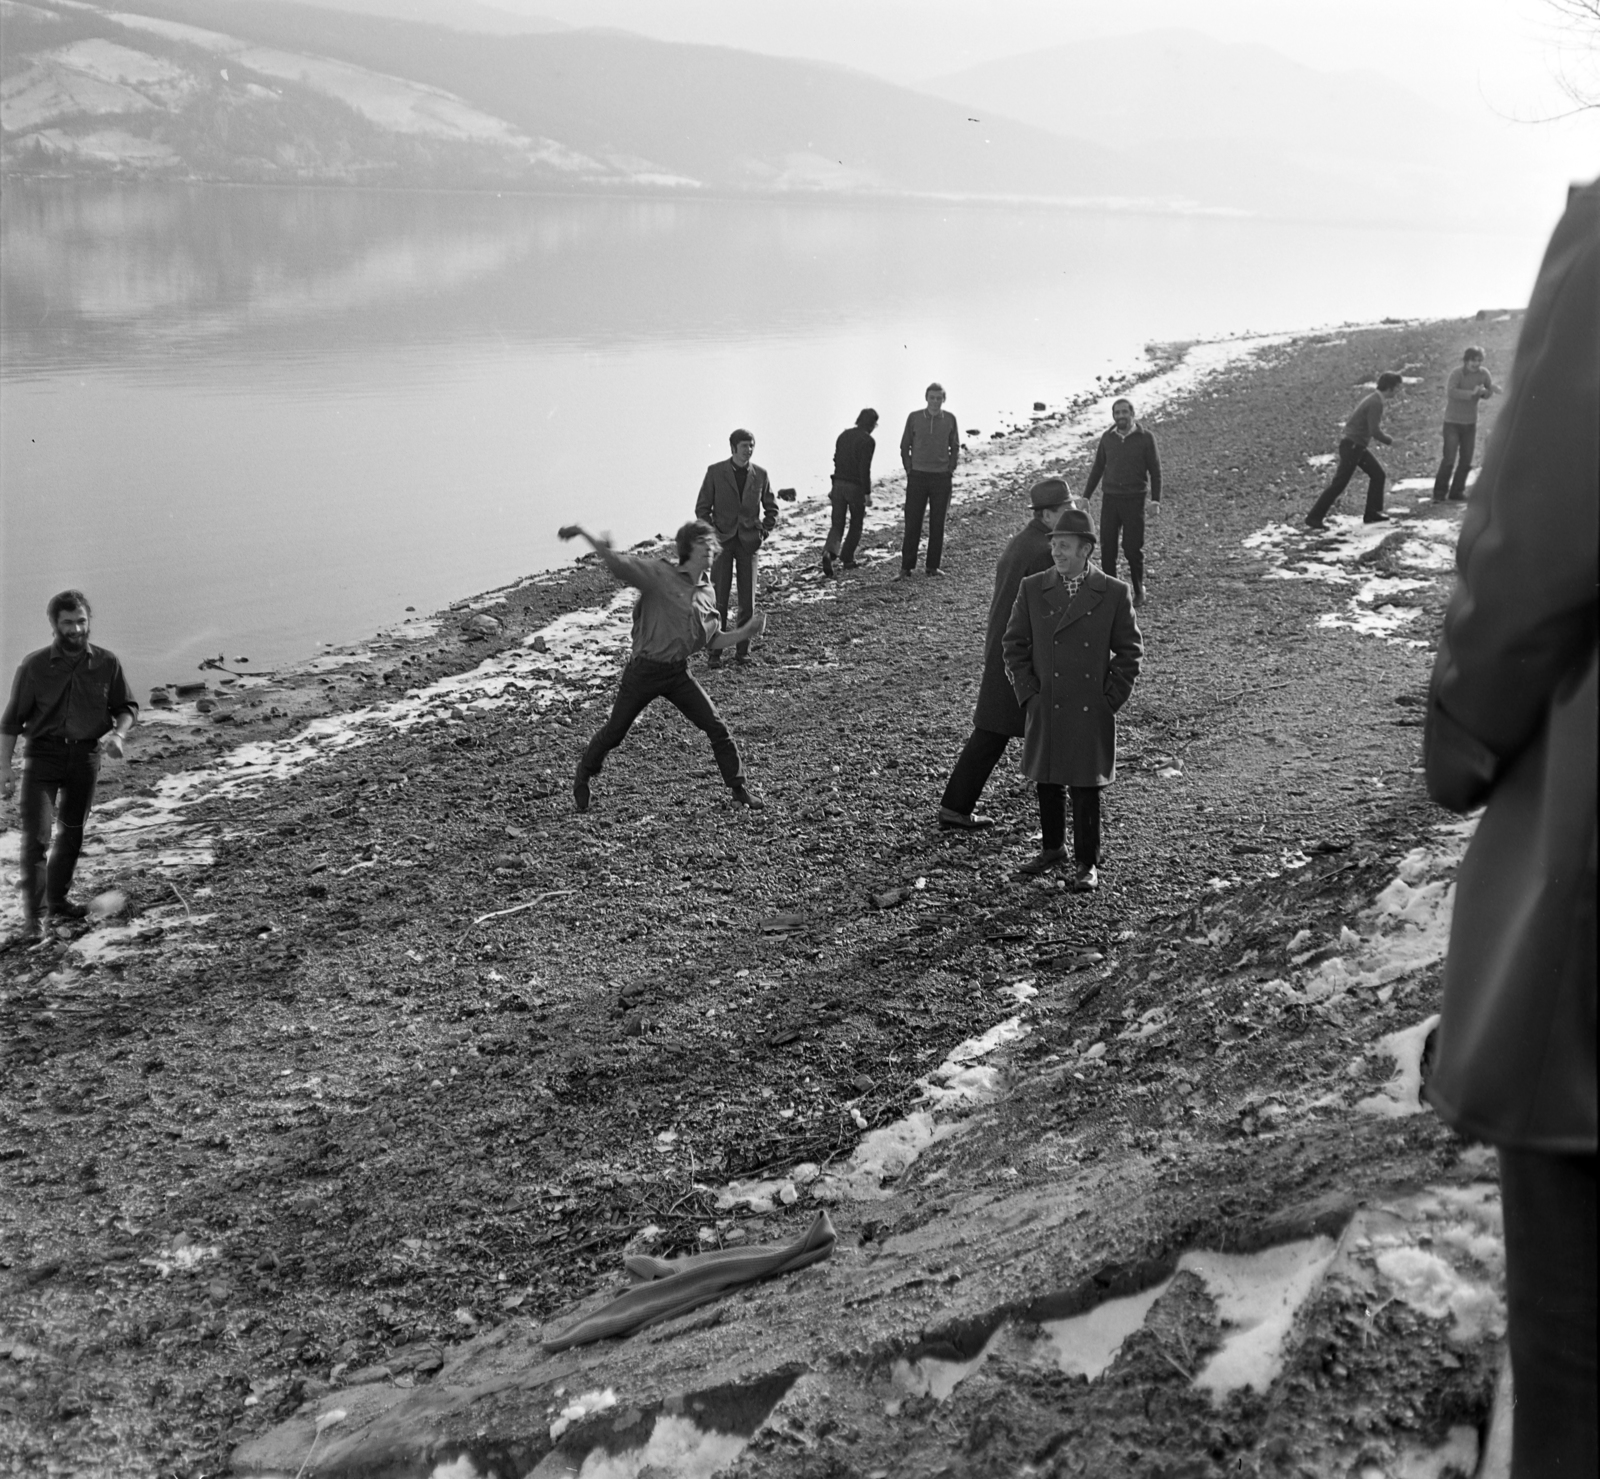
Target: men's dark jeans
<point>1459,441</point>
<point>1351,457</point>
<point>1122,517</point>
<point>1549,1207</point>
<point>1085,820</point>
<point>974,766</point>
<point>735,557</point>
<point>643,681</point>
<point>926,492</point>
<point>58,779</point>
<point>848,500</point>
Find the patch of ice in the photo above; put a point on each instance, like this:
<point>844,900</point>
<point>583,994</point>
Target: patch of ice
<point>1020,991</point>
<point>1402,1095</point>
<point>758,1196</point>
<point>678,1448</point>
<point>580,1407</point>
<point>1259,1294</point>
<point>1086,1345</point>
<point>931,1377</point>
<point>181,1260</point>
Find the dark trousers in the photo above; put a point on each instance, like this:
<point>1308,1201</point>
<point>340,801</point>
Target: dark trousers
<point>734,556</point>
<point>643,681</point>
<point>1549,1207</point>
<point>1122,516</point>
<point>57,790</point>
<point>1459,441</point>
<point>1085,820</point>
<point>926,492</point>
<point>849,500</point>
<point>974,766</point>
<point>1351,457</point>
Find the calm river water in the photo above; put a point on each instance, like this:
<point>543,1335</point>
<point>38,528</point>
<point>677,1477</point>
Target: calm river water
<point>251,420</point>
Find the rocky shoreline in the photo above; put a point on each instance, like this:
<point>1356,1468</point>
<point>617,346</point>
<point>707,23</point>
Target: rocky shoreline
<point>391,1052</point>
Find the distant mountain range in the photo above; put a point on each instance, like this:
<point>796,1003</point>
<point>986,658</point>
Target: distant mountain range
<point>461,94</point>
<point>253,90</point>
<point>1242,125</point>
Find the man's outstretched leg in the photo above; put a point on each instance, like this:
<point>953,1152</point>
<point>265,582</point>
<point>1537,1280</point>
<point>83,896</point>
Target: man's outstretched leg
<point>638,687</point>
<point>695,705</point>
<point>973,767</point>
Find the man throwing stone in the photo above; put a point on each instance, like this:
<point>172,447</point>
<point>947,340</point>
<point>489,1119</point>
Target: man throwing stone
<point>71,705</point>
<point>1072,648</point>
<point>1467,384</point>
<point>851,491</point>
<point>736,500</point>
<point>674,617</point>
<point>1128,461</point>
<point>930,447</point>
<point>1364,427</point>
<point>998,718</point>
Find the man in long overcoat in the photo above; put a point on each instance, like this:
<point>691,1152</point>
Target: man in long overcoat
<point>1512,722</point>
<point>997,720</point>
<point>1072,648</point>
<point>736,499</point>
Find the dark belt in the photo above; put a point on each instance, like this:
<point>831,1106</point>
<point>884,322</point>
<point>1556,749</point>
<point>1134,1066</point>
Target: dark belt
<point>58,742</point>
<point>658,662</point>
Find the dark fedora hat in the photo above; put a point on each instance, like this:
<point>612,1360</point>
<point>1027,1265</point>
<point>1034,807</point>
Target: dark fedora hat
<point>1049,493</point>
<point>1075,521</point>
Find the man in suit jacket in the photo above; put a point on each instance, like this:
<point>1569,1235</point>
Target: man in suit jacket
<point>736,499</point>
<point>1072,648</point>
<point>997,720</point>
<point>1512,722</point>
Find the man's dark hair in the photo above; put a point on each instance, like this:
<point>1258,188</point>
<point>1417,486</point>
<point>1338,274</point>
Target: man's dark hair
<point>66,601</point>
<point>867,419</point>
<point>1389,380</point>
<point>1472,351</point>
<point>737,435</point>
<point>690,535</point>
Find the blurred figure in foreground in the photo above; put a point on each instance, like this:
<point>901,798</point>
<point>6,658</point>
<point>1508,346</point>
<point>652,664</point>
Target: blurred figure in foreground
<point>1511,722</point>
<point>71,702</point>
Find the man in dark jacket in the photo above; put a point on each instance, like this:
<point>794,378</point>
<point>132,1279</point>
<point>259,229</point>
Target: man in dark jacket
<point>736,499</point>
<point>1072,650</point>
<point>72,703</point>
<point>997,720</point>
<point>851,491</point>
<point>1511,721</point>
<point>1128,461</point>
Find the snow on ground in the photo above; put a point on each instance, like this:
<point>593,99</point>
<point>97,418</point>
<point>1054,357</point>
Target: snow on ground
<point>1358,558</point>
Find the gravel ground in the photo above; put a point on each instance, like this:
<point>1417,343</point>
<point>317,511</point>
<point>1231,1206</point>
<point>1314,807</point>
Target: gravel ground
<point>313,1112</point>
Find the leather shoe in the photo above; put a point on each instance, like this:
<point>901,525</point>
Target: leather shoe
<point>951,819</point>
<point>66,909</point>
<point>580,789</point>
<point>1051,857</point>
<point>827,565</point>
<point>742,797</point>
<point>1086,880</point>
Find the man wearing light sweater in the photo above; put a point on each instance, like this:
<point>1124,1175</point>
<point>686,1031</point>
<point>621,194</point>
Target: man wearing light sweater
<point>929,449</point>
<point>1468,384</point>
<point>1128,461</point>
<point>1364,426</point>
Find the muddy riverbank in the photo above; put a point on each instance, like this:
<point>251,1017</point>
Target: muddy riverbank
<point>390,1055</point>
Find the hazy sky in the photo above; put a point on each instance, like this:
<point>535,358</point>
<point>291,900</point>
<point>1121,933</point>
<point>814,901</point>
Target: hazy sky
<point>1497,60</point>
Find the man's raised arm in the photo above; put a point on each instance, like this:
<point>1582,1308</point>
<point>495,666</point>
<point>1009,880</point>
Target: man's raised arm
<point>627,568</point>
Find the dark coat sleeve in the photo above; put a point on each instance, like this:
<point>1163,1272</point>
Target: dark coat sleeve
<point>769,504</point>
<point>1127,651</point>
<point>119,697</point>
<point>702,504</point>
<point>1018,648</point>
<point>1153,463</point>
<point>19,707</point>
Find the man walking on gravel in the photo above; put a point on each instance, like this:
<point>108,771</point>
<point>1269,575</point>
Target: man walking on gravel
<point>930,447</point>
<point>1128,461</point>
<point>736,500</point>
<point>851,491</point>
<point>71,705</point>
<point>998,718</point>
<point>1511,728</point>
<point>674,617</point>
<point>1072,649</point>
<point>1364,427</point>
<point>1466,386</point>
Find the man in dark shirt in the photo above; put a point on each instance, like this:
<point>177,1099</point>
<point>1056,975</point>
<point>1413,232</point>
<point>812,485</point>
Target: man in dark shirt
<point>72,703</point>
<point>1128,461</point>
<point>1364,426</point>
<point>852,489</point>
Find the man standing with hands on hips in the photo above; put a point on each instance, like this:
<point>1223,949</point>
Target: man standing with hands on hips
<point>736,500</point>
<point>1128,461</point>
<point>71,704</point>
<point>930,447</point>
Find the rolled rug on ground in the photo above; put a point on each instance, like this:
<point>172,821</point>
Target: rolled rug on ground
<point>674,1286</point>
